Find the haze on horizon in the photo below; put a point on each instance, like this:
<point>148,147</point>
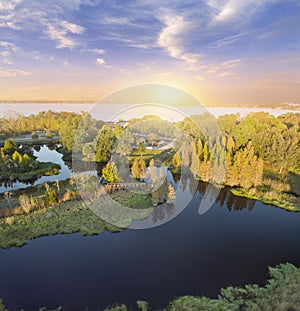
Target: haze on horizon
<point>220,51</point>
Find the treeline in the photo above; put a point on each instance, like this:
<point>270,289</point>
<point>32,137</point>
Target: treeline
<point>64,123</point>
<point>236,154</point>
<point>276,140</point>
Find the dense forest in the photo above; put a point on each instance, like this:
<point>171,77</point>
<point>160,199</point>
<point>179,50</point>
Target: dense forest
<point>274,140</point>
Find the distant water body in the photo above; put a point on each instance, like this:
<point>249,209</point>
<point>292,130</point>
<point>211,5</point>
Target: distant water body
<point>108,112</point>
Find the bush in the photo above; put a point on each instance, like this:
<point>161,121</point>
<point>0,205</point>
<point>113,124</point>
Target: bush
<point>34,135</point>
<point>51,195</point>
<point>2,306</point>
<point>49,135</point>
<point>25,203</point>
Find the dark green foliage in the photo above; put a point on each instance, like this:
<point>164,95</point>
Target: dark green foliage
<point>153,126</point>
<point>116,308</point>
<point>104,144</point>
<point>2,306</point>
<point>275,140</point>
<point>10,146</point>
<point>142,305</point>
<point>124,143</point>
<point>86,131</point>
<point>281,293</point>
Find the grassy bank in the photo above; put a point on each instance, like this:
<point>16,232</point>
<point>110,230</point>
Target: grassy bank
<point>284,201</point>
<point>282,190</point>
<point>280,293</point>
<point>66,217</point>
<point>44,169</point>
<point>132,200</point>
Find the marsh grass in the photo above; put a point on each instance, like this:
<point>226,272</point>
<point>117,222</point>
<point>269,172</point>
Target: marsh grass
<point>65,217</point>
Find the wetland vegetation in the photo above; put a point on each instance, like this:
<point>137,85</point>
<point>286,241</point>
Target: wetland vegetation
<point>256,157</point>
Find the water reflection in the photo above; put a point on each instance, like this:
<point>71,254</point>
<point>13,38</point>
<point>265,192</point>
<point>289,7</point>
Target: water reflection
<point>203,194</point>
<point>45,153</point>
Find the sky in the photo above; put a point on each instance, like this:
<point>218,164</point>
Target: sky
<point>220,51</point>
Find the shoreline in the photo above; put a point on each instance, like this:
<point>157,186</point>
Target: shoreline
<point>285,205</point>
<point>72,216</point>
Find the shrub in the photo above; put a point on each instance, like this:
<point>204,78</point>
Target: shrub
<point>34,135</point>
<point>51,195</point>
<point>25,203</point>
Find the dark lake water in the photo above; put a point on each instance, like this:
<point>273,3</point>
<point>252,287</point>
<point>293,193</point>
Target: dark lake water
<point>233,243</point>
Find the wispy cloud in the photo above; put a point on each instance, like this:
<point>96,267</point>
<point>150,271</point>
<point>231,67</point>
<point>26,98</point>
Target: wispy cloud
<point>13,73</point>
<point>72,28</point>
<point>97,51</point>
<point>7,8</point>
<point>232,10</point>
<point>101,62</point>
<point>6,49</point>
<point>9,45</point>
<point>171,38</point>
<point>226,74</point>
<point>231,63</point>
<point>229,40</point>
<point>60,31</point>
<point>116,20</point>
<point>8,5</point>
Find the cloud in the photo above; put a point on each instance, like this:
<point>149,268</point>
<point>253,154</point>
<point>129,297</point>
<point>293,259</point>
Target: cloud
<point>229,40</point>
<point>100,61</point>
<point>5,54</point>
<point>226,74</point>
<point>8,5</point>
<point>231,10</point>
<point>72,28</point>
<point>231,63</point>
<point>9,46</point>
<point>13,73</point>
<point>7,8</point>
<point>212,69</point>
<point>7,21</point>
<point>97,51</point>
<point>116,20</point>
<point>199,78</point>
<point>171,38</point>
<point>60,30</point>
<point>7,49</point>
